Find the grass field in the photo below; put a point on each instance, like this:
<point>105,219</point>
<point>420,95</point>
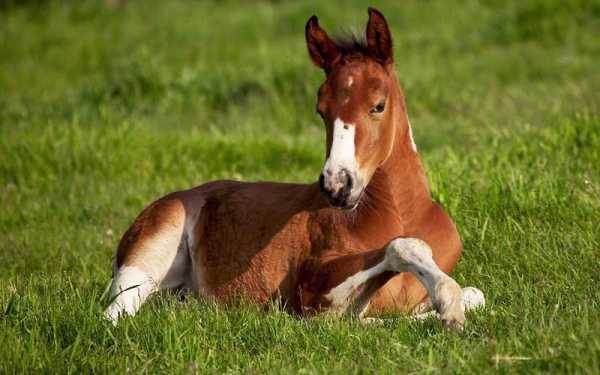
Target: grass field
<point>104,110</point>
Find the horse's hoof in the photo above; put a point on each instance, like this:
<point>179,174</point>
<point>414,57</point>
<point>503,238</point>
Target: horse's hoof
<point>449,304</point>
<point>453,324</point>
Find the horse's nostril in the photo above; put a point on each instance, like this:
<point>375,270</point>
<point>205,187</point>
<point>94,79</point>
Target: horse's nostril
<point>337,187</point>
<point>348,184</point>
<point>322,183</point>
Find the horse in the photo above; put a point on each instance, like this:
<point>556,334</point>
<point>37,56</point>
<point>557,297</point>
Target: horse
<point>364,240</point>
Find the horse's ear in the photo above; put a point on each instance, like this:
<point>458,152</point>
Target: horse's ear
<point>379,38</point>
<point>321,48</point>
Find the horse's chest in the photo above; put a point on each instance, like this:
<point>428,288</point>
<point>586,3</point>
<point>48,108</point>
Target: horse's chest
<point>331,236</point>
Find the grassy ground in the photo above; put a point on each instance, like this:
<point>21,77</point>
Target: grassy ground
<point>104,110</point>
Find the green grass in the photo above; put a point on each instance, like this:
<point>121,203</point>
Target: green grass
<point>104,110</point>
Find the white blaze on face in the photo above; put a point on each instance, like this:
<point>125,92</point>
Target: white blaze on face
<point>342,153</point>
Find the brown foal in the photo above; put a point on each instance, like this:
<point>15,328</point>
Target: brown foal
<point>366,238</point>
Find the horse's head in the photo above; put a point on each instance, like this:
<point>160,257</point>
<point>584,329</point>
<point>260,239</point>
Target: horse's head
<point>355,104</point>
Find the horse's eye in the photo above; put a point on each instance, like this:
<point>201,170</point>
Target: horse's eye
<point>378,108</point>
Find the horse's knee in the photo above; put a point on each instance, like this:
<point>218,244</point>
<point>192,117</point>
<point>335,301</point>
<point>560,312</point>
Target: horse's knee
<point>402,253</point>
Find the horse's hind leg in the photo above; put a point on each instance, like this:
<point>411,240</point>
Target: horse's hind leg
<point>152,255</point>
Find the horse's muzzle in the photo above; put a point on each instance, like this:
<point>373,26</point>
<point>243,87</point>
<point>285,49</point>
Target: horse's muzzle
<point>337,188</point>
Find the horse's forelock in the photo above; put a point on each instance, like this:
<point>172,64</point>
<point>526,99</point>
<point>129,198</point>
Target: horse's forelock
<point>349,43</point>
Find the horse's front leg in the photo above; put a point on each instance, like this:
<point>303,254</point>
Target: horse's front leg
<point>415,256</point>
<point>343,284</point>
<point>346,284</point>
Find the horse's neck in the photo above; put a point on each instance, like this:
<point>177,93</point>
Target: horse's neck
<point>401,180</point>
<point>398,191</point>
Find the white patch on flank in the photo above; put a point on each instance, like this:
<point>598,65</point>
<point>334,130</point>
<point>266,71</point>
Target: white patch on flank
<point>340,296</point>
<point>350,81</point>
<point>410,134</point>
<point>342,151</point>
<point>130,288</point>
<point>164,257</point>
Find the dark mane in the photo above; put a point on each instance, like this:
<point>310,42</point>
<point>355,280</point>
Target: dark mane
<point>349,43</point>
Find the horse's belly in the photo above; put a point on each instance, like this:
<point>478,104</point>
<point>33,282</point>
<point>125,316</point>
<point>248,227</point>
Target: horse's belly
<point>245,253</point>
